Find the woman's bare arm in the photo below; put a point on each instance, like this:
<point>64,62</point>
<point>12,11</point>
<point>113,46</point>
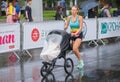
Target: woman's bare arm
<point>67,23</point>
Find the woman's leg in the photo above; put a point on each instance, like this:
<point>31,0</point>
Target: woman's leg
<point>76,45</point>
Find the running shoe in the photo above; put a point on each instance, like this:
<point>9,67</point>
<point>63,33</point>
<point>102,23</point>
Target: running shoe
<point>80,64</point>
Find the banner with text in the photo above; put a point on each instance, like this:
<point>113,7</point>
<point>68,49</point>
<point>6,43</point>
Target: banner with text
<point>108,27</point>
<point>9,37</point>
<point>35,33</point>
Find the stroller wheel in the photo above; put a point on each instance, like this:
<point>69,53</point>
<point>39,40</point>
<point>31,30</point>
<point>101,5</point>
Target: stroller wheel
<point>49,78</point>
<point>68,66</point>
<point>69,78</point>
<point>46,69</point>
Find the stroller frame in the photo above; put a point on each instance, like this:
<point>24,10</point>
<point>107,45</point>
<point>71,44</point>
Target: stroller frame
<point>49,66</point>
<point>65,46</point>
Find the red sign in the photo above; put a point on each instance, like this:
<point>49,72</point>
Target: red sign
<point>7,39</point>
<point>35,35</point>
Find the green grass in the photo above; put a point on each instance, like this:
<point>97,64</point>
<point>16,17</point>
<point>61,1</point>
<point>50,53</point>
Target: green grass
<point>49,14</point>
<point>2,17</point>
<point>22,16</point>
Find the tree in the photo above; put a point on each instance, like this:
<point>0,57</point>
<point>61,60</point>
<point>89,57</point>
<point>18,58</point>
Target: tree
<point>21,3</point>
<point>48,3</point>
<point>118,3</point>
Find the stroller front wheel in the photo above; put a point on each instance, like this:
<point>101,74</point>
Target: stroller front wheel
<point>49,78</point>
<point>68,65</point>
<point>46,69</point>
<point>43,70</point>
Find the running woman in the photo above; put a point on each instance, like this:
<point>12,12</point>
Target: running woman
<point>75,22</point>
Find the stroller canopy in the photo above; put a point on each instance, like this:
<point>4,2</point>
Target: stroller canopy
<point>65,42</point>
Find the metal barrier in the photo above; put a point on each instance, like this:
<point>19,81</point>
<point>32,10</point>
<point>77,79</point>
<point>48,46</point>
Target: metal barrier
<point>10,38</point>
<point>91,34</point>
<point>108,27</point>
<point>33,34</point>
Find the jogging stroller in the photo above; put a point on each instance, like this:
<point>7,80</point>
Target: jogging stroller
<point>57,44</point>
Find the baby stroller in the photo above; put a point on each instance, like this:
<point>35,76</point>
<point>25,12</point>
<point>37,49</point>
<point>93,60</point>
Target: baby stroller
<point>60,44</point>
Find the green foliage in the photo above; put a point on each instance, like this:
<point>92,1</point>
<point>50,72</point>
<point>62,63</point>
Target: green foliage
<point>48,1</point>
<point>21,3</point>
<point>111,10</point>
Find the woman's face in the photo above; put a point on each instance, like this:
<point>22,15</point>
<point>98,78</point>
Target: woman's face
<point>74,11</point>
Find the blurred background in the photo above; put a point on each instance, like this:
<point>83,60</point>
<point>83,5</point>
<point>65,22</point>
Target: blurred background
<point>49,7</point>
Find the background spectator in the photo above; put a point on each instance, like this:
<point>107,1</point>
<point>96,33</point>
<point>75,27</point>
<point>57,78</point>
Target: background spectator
<point>28,11</point>
<point>59,13</point>
<point>10,11</point>
<point>18,10</point>
<point>91,13</point>
<point>105,11</point>
<point>63,5</point>
<point>3,6</point>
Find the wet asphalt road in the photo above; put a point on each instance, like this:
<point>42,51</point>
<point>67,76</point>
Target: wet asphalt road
<point>102,64</point>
